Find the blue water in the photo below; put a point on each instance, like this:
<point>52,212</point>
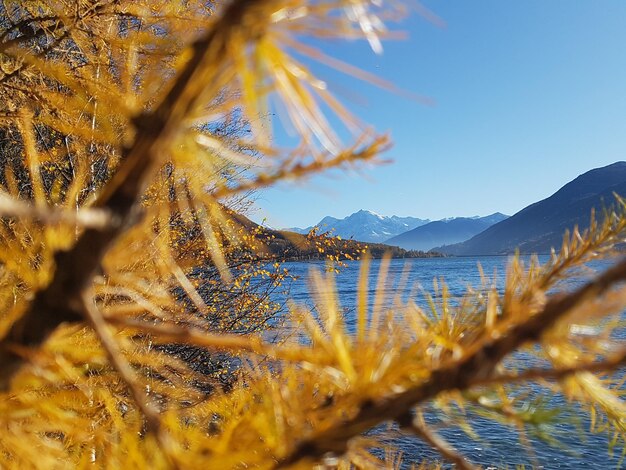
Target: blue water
<point>497,445</point>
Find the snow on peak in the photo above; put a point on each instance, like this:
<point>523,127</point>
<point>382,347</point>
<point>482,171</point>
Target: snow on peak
<point>368,212</point>
<point>368,226</point>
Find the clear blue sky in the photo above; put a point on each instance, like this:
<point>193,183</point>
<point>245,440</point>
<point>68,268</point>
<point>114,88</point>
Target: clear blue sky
<point>529,94</point>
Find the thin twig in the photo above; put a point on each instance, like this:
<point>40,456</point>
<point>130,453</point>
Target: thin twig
<point>555,374</point>
<point>421,430</point>
<point>299,171</point>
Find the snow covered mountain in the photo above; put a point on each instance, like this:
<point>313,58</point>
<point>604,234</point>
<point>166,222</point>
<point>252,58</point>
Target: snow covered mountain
<point>366,226</point>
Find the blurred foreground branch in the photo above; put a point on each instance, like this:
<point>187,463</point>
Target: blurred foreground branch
<point>476,366</point>
<point>75,269</point>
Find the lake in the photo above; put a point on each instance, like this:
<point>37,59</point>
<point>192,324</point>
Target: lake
<point>498,445</point>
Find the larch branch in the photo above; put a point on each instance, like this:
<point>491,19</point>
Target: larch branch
<point>474,368</point>
<point>60,301</point>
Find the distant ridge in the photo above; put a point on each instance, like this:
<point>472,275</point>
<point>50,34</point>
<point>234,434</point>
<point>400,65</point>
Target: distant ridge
<point>444,232</point>
<point>365,226</point>
<point>540,226</point>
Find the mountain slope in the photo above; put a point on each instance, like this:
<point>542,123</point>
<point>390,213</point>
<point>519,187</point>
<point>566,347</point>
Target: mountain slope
<point>540,226</point>
<point>366,226</point>
<point>444,232</point>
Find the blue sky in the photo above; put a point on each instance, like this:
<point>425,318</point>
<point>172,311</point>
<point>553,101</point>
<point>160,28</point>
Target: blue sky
<point>529,94</point>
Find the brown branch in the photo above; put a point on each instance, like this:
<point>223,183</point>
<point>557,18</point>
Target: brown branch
<point>75,269</point>
<point>476,366</point>
<point>418,427</point>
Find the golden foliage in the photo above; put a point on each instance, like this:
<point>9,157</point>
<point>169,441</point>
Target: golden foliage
<point>125,138</point>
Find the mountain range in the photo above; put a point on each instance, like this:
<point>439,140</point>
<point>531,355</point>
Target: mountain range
<point>444,232</point>
<point>365,226</point>
<point>410,233</point>
<point>540,226</point>
<point>535,229</point>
